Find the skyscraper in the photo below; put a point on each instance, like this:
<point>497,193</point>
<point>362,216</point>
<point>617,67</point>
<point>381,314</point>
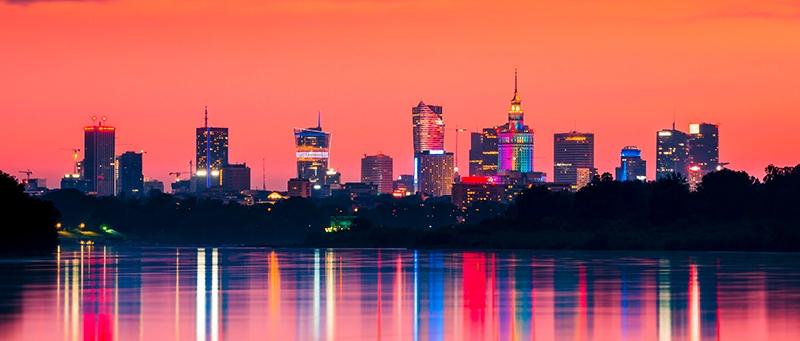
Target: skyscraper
<point>99,158</point>
<point>483,152</point>
<point>435,172</point>
<point>631,166</point>
<point>704,146</point>
<point>312,145</point>
<point>428,127</point>
<point>377,169</point>
<point>672,153</point>
<point>515,140</point>
<point>235,177</point>
<point>131,180</point>
<point>211,153</point>
<point>571,151</point>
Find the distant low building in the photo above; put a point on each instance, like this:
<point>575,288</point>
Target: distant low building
<point>74,181</point>
<point>153,185</point>
<point>473,189</point>
<point>299,188</point>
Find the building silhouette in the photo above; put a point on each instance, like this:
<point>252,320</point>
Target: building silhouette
<point>571,151</point>
<point>377,169</point>
<point>631,167</point>
<point>235,177</point>
<point>483,152</point>
<point>131,179</point>
<point>515,140</point>
<point>98,164</point>
<point>672,153</point>
<point>704,147</point>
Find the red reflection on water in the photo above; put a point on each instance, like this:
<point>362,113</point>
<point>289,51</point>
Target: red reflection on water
<point>232,294</point>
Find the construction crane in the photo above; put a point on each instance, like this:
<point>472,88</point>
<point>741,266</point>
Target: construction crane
<point>75,152</point>
<point>177,175</point>
<point>27,173</point>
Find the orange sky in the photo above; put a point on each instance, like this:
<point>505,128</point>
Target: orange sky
<point>620,69</point>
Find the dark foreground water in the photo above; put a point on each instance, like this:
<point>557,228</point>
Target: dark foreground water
<point>108,293</point>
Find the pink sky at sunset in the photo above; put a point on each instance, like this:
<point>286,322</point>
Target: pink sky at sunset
<point>620,69</point>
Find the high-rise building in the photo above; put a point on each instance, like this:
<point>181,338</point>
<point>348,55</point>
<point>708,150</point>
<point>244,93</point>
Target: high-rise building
<point>212,154</point>
<point>312,152</point>
<point>631,166</point>
<point>99,158</point>
<point>672,153</point>
<point>483,153</point>
<point>704,146</point>
<point>435,172</point>
<point>235,177</point>
<point>428,127</point>
<point>515,140</point>
<point>377,169</point>
<point>571,151</point>
<point>584,177</point>
<point>131,180</point>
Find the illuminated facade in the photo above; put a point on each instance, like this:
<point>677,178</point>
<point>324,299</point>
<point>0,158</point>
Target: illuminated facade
<point>312,152</point>
<point>211,154</point>
<point>435,173</point>
<point>483,152</point>
<point>704,146</point>
<point>473,189</point>
<point>99,159</point>
<point>515,140</point>
<point>672,153</point>
<point>571,151</point>
<point>583,177</point>
<point>377,169</point>
<point>428,127</point>
<point>631,167</point>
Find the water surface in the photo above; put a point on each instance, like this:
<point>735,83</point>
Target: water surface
<point>113,293</point>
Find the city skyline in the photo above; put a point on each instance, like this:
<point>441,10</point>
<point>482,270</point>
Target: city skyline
<point>153,90</point>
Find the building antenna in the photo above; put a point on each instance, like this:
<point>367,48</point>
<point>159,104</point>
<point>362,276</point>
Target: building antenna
<point>319,119</point>
<point>208,150</point>
<point>515,80</point>
<point>673,118</point>
<point>263,175</point>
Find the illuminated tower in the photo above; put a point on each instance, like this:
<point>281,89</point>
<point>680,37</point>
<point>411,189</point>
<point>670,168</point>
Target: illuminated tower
<point>515,140</point>
<point>98,158</point>
<point>571,151</point>
<point>312,152</point>
<point>212,152</point>
<point>428,127</point>
<point>704,146</point>
<point>631,166</point>
<point>672,153</point>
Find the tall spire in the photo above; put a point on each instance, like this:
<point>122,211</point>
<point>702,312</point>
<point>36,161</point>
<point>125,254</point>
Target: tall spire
<point>515,81</point>
<point>319,119</point>
<point>206,117</point>
<point>516,99</point>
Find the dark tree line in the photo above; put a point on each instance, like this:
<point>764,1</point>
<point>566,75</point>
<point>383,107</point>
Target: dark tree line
<point>29,224</point>
<point>730,210</point>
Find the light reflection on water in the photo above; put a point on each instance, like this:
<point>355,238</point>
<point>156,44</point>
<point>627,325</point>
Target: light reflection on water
<point>211,294</point>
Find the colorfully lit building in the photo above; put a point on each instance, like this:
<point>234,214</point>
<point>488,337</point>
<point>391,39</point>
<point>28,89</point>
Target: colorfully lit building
<point>672,153</point>
<point>631,167</point>
<point>428,127</point>
<point>99,159</point>
<point>483,152</point>
<point>434,171</point>
<point>704,147</point>
<point>235,177</point>
<point>377,169</point>
<point>571,151</point>
<point>473,189</point>
<point>131,180</point>
<point>211,154</point>
<point>515,140</point>
<point>312,152</point>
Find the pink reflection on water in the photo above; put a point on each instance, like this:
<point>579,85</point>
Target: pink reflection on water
<point>95,293</point>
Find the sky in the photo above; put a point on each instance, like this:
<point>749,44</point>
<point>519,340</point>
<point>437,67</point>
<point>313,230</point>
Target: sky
<point>619,69</point>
